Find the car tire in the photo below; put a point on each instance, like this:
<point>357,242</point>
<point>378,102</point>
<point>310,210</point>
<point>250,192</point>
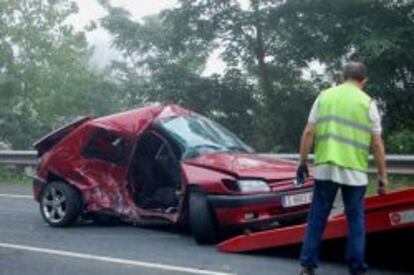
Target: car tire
<point>60,204</point>
<point>202,221</point>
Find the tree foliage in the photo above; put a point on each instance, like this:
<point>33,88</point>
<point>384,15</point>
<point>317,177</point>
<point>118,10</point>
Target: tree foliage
<point>378,32</point>
<point>45,78</point>
<point>270,48</point>
<point>167,53</point>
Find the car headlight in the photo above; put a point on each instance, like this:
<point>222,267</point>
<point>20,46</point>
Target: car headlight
<point>247,186</point>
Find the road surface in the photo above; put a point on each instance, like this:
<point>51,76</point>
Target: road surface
<point>29,246</point>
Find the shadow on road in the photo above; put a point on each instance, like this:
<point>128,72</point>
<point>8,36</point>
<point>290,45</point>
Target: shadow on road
<point>391,251</point>
<point>103,222</point>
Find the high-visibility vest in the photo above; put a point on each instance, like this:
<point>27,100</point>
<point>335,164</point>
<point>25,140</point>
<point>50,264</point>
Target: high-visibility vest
<point>343,128</point>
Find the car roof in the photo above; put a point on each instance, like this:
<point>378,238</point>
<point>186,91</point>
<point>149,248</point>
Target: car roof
<point>137,120</point>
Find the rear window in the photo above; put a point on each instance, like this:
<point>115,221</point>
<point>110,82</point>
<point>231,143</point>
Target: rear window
<point>106,146</point>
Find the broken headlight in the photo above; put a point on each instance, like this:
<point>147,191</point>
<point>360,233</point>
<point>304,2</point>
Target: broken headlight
<point>250,186</point>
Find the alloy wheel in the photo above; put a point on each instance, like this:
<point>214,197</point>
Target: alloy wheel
<point>54,205</point>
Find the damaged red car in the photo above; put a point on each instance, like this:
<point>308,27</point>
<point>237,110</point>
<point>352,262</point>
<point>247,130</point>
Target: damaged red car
<point>163,163</point>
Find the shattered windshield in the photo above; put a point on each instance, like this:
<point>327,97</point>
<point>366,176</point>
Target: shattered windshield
<point>198,135</point>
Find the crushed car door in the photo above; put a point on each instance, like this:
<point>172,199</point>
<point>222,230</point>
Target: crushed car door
<point>105,164</point>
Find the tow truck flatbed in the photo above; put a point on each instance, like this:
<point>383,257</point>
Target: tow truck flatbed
<point>384,213</point>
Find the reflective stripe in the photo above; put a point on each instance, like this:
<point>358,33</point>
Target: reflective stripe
<point>344,121</point>
<point>344,140</point>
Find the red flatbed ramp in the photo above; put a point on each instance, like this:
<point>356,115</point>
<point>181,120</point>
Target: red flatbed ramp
<point>390,212</point>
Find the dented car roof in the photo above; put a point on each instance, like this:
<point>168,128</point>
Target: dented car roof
<point>137,120</point>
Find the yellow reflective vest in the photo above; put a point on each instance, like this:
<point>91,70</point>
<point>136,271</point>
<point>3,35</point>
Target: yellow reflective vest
<point>343,128</point>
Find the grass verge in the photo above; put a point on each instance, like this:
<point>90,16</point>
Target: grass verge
<point>14,176</point>
<point>397,182</point>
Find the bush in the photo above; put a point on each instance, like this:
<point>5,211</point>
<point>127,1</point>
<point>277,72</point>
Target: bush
<point>401,142</point>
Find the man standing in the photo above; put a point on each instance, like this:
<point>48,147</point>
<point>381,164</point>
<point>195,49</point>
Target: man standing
<point>345,124</point>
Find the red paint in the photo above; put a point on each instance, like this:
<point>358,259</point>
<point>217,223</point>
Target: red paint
<point>104,186</point>
<point>381,215</point>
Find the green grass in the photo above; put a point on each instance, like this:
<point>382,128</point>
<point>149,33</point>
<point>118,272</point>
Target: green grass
<point>13,176</point>
<point>396,183</point>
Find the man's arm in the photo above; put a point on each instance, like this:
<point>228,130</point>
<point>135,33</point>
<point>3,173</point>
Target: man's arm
<point>378,151</point>
<point>307,142</point>
<point>306,145</point>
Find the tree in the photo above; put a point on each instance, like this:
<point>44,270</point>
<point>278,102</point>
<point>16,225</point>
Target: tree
<point>165,63</point>
<point>276,40</point>
<point>166,53</point>
<point>45,78</point>
<point>270,44</point>
<point>377,32</point>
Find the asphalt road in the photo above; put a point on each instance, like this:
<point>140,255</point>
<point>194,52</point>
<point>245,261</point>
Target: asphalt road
<point>29,246</point>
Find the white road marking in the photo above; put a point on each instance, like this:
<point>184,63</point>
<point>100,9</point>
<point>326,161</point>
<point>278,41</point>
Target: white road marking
<point>15,196</point>
<point>83,256</point>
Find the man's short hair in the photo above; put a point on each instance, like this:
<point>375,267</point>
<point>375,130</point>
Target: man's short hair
<point>355,71</point>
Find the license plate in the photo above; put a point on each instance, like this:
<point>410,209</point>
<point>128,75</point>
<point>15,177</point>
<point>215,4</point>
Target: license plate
<point>403,217</point>
<point>297,199</point>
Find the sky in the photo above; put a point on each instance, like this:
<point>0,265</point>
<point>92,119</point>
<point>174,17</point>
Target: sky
<point>90,10</point>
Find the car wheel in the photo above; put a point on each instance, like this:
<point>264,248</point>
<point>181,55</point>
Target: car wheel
<point>60,204</point>
<point>202,221</point>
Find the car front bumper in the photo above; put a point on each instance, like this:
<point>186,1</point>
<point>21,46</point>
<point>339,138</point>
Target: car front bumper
<point>258,209</point>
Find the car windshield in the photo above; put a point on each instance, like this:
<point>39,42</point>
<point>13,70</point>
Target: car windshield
<point>198,135</point>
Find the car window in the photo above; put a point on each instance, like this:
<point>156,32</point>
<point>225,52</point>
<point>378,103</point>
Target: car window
<point>107,146</point>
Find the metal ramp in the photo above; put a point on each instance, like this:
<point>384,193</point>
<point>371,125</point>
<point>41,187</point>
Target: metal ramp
<point>391,212</point>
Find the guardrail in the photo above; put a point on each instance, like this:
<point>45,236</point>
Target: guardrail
<point>21,158</point>
<point>397,164</point>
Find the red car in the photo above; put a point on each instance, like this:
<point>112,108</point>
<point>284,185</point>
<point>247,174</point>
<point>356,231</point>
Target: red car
<point>163,163</point>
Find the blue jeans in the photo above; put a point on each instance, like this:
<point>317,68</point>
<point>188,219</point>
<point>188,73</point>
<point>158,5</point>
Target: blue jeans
<point>324,194</point>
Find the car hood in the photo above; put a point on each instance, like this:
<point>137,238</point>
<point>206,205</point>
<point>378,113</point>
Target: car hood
<point>247,165</point>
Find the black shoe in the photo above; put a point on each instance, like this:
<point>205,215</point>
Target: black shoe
<point>307,271</point>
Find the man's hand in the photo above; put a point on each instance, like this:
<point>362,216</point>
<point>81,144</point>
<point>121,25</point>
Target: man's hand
<point>305,147</point>
<point>382,186</point>
<point>302,173</point>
